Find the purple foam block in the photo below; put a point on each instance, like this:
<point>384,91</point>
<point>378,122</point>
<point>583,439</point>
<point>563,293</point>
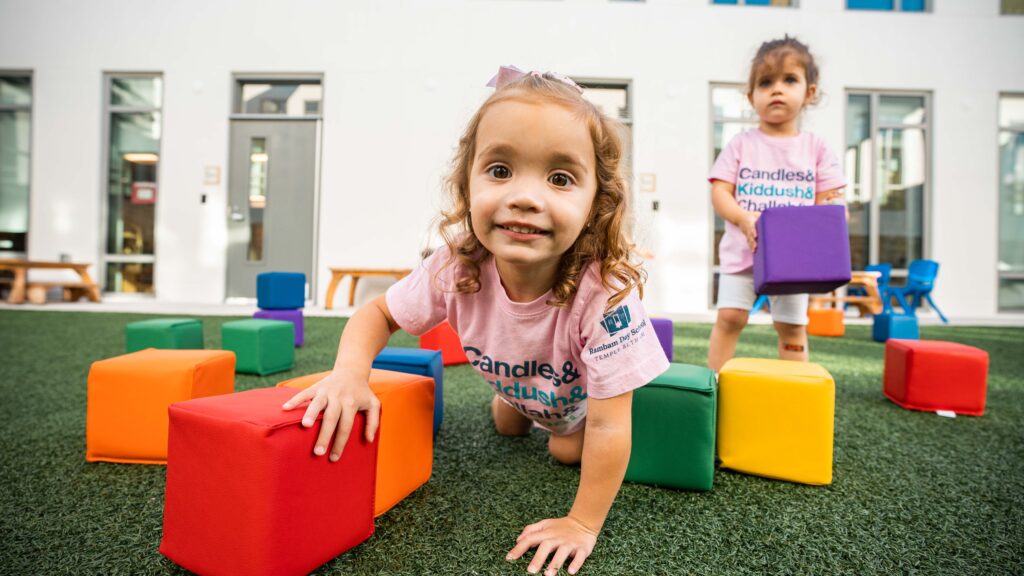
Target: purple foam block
<point>801,250</point>
<point>663,329</point>
<point>293,316</point>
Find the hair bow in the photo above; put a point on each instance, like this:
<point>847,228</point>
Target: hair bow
<point>510,73</point>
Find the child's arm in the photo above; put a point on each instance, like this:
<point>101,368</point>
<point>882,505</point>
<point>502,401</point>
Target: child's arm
<point>724,201</point>
<point>828,196</point>
<point>345,390</point>
<point>606,445</point>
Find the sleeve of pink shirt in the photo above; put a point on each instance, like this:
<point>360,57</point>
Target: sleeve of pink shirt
<point>416,302</point>
<point>728,163</point>
<point>620,349</point>
<point>829,173</point>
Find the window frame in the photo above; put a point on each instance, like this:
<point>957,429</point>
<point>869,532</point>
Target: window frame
<point>109,110</point>
<point>874,216</point>
<point>712,120</point>
<point>30,107</point>
<point>1013,129</point>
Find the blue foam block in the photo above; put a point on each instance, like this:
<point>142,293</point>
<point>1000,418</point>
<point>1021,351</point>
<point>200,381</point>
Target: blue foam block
<point>281,290</point>
<point>898,326</point>
<point>421,362</point>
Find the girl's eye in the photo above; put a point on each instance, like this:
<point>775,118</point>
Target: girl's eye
<point>560,180</point>
<point>764,83</point>
<point>499,172</point>
<point>791,80</point>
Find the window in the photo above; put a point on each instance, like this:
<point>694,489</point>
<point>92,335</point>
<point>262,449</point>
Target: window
<point>133,125</point>
<point>15,161</point>
<point>612,98</point>
<point>1011,202</point>
<point>732,114</point>
<point>278,97</point>
<point>1011,7</point>
<point>890,5</point>
<point>887,170</point>
<point>784,3</point>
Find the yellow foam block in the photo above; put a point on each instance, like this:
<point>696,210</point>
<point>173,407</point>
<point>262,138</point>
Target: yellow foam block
<point>775,419</point>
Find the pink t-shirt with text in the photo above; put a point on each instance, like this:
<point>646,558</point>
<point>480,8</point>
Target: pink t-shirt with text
<point>542,360</point>
<point>768,172</point>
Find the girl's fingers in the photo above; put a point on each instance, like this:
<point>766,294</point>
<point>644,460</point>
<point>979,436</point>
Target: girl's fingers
<point>577,561</point>
<point>348,414</point>
<point>316,404</point>
<point>539,558</point>
<point>372,419</point>
<point>524,543</point>
<point>557,560</point>
<point>532,528</point>
<point>302,396</point>
<point>330,422</point>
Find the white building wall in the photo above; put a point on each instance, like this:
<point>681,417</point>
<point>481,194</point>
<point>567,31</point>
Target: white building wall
<point>401,78</point>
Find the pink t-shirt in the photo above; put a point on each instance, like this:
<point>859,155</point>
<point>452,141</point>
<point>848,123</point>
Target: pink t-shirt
<point>768,172</point>
<point>542,360</point>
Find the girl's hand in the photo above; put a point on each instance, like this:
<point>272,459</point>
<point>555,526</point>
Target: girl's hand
<point>748,225</point>
<point>564,537</point>
<point>340,395</point>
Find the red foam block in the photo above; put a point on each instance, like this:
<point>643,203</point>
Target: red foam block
<point>444,338</point>
<point>246,495</point>
<point>933,375</point>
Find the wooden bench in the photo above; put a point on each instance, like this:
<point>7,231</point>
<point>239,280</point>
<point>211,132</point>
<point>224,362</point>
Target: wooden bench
<point>870,304</point>
<point>35,292</point>
<point>337,274</point>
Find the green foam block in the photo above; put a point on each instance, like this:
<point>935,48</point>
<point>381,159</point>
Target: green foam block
<point>260,346</point>
<point>165,333</point>
<point>674,429</point>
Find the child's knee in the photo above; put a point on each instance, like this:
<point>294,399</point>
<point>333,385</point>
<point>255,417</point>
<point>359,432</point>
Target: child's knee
<point>507,421</point>
<point>789,332</point>
<point>567,450</point>
<point>732,319</point>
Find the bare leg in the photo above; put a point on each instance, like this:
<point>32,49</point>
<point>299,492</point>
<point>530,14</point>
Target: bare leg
<point>507,421</point>
<point>567,449</point>
<point>792,342</point>
<point>725,335</point>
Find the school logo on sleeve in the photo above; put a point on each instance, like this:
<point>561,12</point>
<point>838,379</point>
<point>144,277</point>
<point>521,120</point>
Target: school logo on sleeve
<point>616,320</point>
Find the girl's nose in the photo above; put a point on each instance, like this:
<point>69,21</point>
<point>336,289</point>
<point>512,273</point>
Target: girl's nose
<point>526,195</point>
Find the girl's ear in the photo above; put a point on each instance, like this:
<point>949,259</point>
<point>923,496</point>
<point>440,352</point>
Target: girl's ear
<point>812,91</point>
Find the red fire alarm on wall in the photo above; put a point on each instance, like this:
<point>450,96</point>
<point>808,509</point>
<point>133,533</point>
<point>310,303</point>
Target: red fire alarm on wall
<point>143,193</point>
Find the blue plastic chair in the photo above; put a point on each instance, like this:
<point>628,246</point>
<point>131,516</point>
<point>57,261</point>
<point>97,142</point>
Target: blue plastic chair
<point>920,281</point>
<point>885,269</point>
<point>761,302</point>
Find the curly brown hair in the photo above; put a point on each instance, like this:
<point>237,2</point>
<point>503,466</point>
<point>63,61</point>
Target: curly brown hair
<point>772,55</point>
<point>603,239</point>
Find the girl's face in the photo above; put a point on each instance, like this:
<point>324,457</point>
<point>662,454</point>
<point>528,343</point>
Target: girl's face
<point>532,183</point>
<point>779,95</point>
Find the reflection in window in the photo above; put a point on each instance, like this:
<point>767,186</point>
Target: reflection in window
<point>733,114</point>
<point>130,277</point>
<point>890,5</point>
<point>1011,7</point>
<point>1011,203</point>
<point>259,162</point>
<point>280,98</point>
<point>886,161</point>
<point>613,100</point>
<point>133,159</point>
<point>15,161</point>
<point>784,3</point>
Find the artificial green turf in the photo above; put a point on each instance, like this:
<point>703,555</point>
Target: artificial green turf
<point>914,493</point>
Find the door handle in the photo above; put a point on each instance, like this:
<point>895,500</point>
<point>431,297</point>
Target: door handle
<point>237,215</point>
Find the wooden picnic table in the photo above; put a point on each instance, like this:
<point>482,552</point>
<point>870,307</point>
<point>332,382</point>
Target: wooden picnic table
<point>337,274</point>
<point>869,304</point>
<point>35,292</point>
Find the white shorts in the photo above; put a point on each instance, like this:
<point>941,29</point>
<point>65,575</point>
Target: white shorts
<point>737,291</point>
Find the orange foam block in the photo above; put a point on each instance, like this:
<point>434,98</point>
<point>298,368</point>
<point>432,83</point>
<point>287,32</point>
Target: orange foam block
<point>405,453</point>
<point>825,322</point>
<point>444,338</point>
<point>128,396</point>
